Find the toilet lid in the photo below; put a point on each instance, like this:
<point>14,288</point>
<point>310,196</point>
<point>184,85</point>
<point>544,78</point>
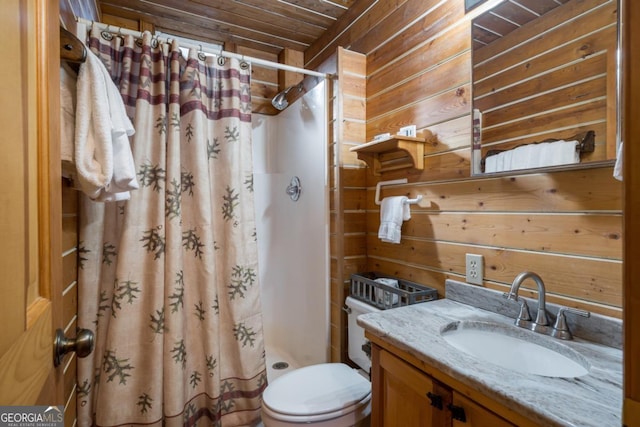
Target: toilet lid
<point>316,389</point>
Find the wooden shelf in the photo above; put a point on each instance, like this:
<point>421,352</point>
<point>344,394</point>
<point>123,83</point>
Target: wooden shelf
<point>397,152</point>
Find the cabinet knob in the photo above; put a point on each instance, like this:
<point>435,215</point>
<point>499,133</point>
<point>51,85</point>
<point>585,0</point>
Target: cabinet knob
<point>457,413</point>
<point>436,400</point>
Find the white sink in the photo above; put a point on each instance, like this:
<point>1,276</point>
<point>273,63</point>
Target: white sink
<point>513,349</point>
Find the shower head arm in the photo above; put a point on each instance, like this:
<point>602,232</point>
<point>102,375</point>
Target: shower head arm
<point>280,101</point>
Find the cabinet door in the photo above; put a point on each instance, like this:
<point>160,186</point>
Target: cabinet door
<point>476,415</point>
<point>403,395</point>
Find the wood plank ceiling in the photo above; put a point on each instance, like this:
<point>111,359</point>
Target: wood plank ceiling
<point>265,25</point>
<point>508,16</point>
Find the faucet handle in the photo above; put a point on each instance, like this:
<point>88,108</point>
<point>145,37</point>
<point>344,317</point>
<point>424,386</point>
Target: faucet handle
<point>577,311</point>
<point>524,317</point>
<point>560,329</point>
<point>524,311</point>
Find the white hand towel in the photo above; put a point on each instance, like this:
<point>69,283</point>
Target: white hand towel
<point>491,164</point>
<point>102,151</point>
<point>124,169</point>
<point>519,158</point>
<point>557,153</point>
<point>618,170</point>
<point>67,113</point>
<point>393,210</point>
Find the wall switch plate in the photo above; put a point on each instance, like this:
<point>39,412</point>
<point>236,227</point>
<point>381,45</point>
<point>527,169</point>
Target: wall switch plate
<point>475,268</point>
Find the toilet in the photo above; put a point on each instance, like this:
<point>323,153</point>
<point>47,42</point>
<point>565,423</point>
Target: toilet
<point>326,394</point>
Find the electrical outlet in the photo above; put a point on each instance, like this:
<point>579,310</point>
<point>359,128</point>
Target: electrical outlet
<point>475,267</point>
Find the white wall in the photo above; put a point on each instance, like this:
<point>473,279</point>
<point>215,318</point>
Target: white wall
<point>293,236</point>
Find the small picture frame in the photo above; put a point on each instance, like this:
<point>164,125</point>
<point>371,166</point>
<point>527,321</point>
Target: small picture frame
<point>470,4</point>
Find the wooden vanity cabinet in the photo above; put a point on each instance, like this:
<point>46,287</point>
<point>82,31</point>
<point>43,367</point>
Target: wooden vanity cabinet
<point>405,396</point>
<point>402,395</point>
<point>476,415</point>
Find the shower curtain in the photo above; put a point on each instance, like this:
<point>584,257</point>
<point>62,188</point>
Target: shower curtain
<point>168,279</point>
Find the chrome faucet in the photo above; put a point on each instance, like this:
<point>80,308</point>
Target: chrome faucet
<point>541,324</point>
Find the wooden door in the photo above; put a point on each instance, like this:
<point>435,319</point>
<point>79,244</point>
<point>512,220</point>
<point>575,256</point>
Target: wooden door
<point>30,256</point>
<point>403,396</point>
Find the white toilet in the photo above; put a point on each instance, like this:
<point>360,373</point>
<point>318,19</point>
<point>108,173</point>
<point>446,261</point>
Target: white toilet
<point>327,394</point>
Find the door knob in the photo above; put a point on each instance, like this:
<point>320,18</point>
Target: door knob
<point>82,345</point>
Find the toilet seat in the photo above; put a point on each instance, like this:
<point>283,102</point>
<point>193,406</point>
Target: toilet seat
<point>354,412</point>
<point>317,393</point>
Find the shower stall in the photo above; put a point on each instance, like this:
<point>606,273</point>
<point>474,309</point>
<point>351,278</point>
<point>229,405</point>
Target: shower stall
<point>292,216</point>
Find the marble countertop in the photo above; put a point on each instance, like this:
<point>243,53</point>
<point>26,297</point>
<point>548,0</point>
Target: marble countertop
<point>594,399</point>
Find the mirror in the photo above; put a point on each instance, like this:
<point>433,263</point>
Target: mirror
<point>545,85</point>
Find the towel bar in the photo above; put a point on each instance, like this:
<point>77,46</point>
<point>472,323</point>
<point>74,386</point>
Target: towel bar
<point>415,201</point>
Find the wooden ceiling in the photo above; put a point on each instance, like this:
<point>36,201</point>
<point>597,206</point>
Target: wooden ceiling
<point>508,16</point>
<point>265,25</point>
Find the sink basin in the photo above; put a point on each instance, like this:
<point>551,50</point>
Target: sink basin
<point>518,350</point>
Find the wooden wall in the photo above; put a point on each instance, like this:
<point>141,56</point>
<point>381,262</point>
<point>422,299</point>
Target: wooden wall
<point>70,292</point>
<point>348,189</point>
<point>567,226</point>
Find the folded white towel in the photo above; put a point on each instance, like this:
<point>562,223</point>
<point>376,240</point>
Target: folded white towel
<point>534,156</point>
<point>124,169</point>
<point>491,164</point>
<point>67,113</point>
<point>393,210</point>
<point>618,170</point>
<point>558,153</point>
<point>103,157</point>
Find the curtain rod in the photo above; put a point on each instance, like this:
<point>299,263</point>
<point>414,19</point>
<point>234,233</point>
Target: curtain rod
<point>204,48</point>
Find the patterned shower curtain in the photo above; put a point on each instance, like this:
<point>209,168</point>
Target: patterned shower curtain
<point>168,279</point>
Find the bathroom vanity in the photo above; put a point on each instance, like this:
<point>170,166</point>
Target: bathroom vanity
<point>420,379</point>
<point>404,395</point>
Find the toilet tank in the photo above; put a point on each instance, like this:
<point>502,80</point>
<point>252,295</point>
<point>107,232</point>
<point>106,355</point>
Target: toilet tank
<point>356,333</point>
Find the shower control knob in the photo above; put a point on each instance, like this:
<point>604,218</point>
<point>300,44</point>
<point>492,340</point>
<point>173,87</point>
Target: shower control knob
<point>294,189</point>
<point>82,345</point>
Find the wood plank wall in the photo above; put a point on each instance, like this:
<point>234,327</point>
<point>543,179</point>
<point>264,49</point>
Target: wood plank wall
<point>348,190</point>
<point>70,292</point>
<point>531,87</point>
<point>567,226</point>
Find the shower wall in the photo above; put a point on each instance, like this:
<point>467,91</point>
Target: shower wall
<point>293,236</point>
